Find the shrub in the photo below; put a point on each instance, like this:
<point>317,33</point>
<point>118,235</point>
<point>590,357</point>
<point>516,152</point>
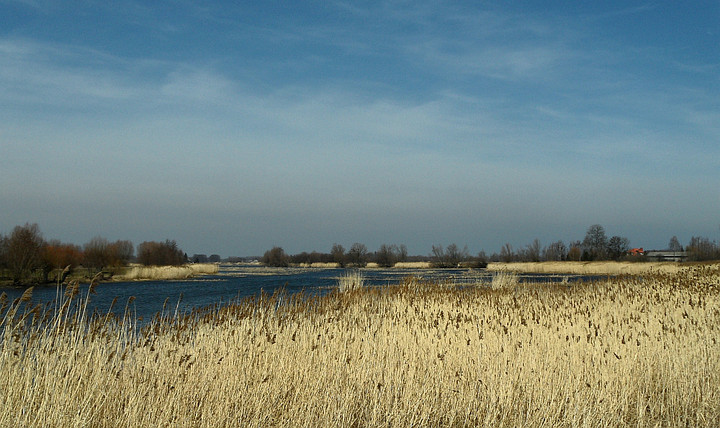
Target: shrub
<point>160,254</point>
<point>276,257</point>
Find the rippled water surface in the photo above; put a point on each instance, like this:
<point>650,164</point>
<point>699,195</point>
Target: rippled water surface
<point>234,282</point>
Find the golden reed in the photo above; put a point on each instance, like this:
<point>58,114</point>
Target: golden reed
<point>640,351</point>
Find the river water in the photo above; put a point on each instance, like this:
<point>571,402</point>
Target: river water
<point>234,282</point>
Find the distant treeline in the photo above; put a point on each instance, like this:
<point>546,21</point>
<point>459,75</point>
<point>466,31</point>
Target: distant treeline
<point>26,257</point>
<point>595,246</point>
<point>357,256</point>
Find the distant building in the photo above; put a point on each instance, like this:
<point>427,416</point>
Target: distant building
<point>666,256</point>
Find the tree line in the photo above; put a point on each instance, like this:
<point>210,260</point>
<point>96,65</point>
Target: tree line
<point>359,256</point>
<point>595,246</point>
<point>26,257</point>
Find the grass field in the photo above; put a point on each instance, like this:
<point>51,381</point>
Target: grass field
<point>639,351</point>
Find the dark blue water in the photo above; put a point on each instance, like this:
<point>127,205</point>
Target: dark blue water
<point>233,283</point>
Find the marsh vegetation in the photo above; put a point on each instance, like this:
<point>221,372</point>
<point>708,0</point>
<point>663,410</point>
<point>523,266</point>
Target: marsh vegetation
<point>641,351</point>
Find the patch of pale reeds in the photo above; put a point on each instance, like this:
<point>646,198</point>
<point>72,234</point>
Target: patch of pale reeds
<point>320,265</point>
<point>351,280</point>
<point>412,265</point>
<point>589,268</point>
<point>504,280</point>
<point>139,273</point>
<point>626,351</point>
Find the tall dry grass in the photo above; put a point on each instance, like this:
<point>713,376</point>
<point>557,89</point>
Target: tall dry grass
<point>504,280</point>
<point>158,273</point>
<point>589,268</point>
<point>626,351</point>
<point>352,280</point>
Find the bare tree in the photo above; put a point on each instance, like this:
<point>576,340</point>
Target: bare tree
<point>58,256</point>
<point>386,256</point>
<point>338,254</point>
<point>595,243</point>
<point>120,253</point>
<point>4,243</point>
<point>450,257</point>
<point>555,252</point>
<point>160,253</point>
<point>357,256</point>
<point>23,253</point>
<point>575,251</point>
<point>438,254</point>
<point>481,261</point>
<point>97,253</point>
<point>617,247</point>
<point>456,255</point>
<point>702,249</point>
<point>402,253</point>
<point>531,253</point>
<point>507,254</point>
<point>674,244</point>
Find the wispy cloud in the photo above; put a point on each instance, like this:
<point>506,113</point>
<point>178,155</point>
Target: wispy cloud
<point>66,76</point>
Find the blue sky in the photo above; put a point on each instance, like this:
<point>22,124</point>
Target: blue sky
<point>232,127</point>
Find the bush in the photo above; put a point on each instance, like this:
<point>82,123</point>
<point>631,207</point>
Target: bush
<point>276,257</point>
<point>151,253</point>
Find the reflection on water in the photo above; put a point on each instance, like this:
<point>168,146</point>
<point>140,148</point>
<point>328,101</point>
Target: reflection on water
<point>234,282</point>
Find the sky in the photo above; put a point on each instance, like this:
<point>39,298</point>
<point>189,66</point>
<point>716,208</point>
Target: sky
<point>232,127</point>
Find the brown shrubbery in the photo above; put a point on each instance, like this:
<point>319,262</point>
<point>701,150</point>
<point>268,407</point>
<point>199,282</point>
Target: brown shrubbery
<point>26,258</point>
<point>160,254</point>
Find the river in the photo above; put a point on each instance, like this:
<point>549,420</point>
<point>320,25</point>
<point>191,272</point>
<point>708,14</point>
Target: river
<point>234,282</point>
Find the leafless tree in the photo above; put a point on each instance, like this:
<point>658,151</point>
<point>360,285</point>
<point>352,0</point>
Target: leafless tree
<point>121,252</point>
<point>402,253</point>
<point>595,243</point>
<point>357,256</point>
<point>674,244</point>
<point>23,253</point>
<point>575,251</point>
<point>276,257</point>
<point>386,256</point>
<point>507,254</point>
<point>160,253</point>
<point>531,253</point>
<point>450,257</point>
<point>555,252</point>
<point>338,254</point>
<point>618,247</point>
<point>702,249</point>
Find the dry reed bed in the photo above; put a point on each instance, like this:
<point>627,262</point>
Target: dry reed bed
<point>158,273</point>
<point>589,268</point>
<point>626,351</point>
